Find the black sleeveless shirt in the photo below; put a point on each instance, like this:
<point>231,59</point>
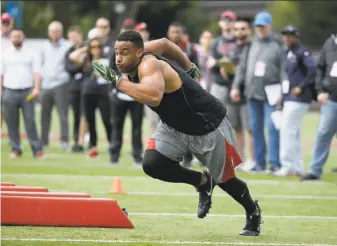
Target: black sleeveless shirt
<point>189,109</point>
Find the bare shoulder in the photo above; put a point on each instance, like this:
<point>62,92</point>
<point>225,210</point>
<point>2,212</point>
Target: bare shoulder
<point>149,65</point>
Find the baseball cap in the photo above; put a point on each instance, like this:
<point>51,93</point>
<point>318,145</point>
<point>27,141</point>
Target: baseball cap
<point>263,19</point>
<point>141,26</point>
<point>229,14</point>
<point>128,23</point>
<point>6,17</point>
<point>93,33</point>
<point>292,30</point>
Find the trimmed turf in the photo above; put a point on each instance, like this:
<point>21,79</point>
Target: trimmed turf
<point>63,171</point>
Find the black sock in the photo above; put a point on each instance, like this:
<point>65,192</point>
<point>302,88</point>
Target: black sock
<point>161,167</point>
<point>238,189</point>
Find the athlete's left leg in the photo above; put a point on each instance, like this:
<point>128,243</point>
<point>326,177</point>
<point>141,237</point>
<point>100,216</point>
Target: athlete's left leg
<point>217,150</point>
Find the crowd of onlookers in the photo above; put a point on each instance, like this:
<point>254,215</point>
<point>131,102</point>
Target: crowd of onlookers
<point>265,80</point>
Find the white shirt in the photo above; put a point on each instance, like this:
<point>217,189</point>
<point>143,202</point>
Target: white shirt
<point>18,68</point>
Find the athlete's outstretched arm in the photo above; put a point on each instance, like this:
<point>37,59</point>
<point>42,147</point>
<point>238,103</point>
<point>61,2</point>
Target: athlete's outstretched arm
<point>151,86</point>
<point>170,50</point>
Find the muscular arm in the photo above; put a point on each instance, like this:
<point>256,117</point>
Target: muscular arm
<point>151,87</point>
<point>170,50</point>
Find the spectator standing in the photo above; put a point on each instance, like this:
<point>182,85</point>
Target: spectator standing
<point>6,28</point>
<point>75,88</point>
<point>261,70</point>
<point>153,117</point>
<point>121,105</point>
<point>104,28</point>
<point>95,91</point>
<point>326,85</point>
<point>20,81</point>
<point>55,82</point>
<point>220,49</point>
<point>238,111</point>
<point>204,57</point>
<point>177,34</point>
<point>7,24</point>
<point>297,96</point>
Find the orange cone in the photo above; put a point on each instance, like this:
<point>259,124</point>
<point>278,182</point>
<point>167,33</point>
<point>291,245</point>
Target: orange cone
<point>117,186</point>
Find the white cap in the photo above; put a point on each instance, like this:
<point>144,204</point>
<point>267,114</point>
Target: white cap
<point>93,33</point>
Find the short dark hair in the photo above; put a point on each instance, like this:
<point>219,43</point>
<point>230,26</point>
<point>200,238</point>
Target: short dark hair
<point>178,24</point>
<point>75,28</point>
<point>132,36</point>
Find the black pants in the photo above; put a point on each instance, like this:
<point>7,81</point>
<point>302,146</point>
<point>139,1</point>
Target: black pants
<point>91,102</point>
<point>120,108</point>
<point>75,101</point>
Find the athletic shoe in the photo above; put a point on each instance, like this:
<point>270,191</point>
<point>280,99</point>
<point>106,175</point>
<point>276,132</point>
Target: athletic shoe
<point>282,172</point>
<point>138,162</point>
<point>40,155</point>
<point>334,170</point>
<point>253,222</point>
<point>249,165</point>
<point>205,196</point>
<point>15,154</point>
<point>93,152</point>
<point>77,149</point>
<point>310,177</point>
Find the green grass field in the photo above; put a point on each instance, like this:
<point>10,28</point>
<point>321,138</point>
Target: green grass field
<point>294,213</point>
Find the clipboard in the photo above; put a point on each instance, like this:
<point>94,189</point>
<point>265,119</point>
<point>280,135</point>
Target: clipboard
<point>228,65</point>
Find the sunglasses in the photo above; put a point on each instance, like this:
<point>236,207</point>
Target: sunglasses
<point>96,47</point>
<point>5,22</point>
<point>102,27</point>
<point>240,29</point>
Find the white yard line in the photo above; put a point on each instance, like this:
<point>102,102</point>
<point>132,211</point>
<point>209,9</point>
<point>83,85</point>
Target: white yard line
<point>251,181</point>
<point>155,242</point>
<point>237,216</point>
<point>223,195</point>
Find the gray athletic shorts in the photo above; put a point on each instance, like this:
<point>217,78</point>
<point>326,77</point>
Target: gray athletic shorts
<point>238,116</point>
<point>216,150</point>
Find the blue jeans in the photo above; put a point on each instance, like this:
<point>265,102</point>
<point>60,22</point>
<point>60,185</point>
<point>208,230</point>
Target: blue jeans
<point>327,128</point>
<point>259,116</point>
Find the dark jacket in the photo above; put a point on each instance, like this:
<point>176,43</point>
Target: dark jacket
<point>191,52</point>
<point>75,72</point>
<point>301,72</point>
<point>220,49</point>
<point>326,79</point>
<point>234,55</point>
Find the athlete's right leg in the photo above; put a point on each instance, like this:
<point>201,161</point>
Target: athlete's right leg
<point>158,166</point>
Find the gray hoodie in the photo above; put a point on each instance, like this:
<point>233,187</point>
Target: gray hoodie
<point>268,55</point>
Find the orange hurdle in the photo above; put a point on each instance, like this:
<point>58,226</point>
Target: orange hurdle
<point>44,194</point>
<point>7,184</point>
<point>23,188</point>
<point>61,211</point>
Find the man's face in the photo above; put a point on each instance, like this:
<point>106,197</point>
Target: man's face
<point>17,38</point>
<point>54,33</point>
<point>103,26</point>
<point>289,40</point>
<point>263,31</point>
<point>127,56</point>
<point>75,37</point>
<point>175,34</point>
<point>6,27</point>
<point>206,39</point>
<point>241,30</point>
<point>226,25</point>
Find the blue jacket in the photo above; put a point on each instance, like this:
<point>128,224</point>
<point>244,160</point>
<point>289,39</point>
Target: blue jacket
<point>301,72</point>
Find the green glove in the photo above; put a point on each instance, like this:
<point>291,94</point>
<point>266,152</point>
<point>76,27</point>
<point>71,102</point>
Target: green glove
<point>107,73</point>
